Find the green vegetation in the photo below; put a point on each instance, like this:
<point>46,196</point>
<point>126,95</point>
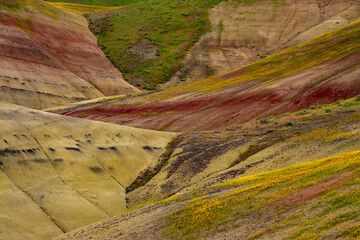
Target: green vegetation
<point>303,112</point>
<point>101,2</point>
<point>305,201</point>
<point>265,120</point>
<point>220,29</point>
<point>289,123</point>
<point>39,5</point>
<point>229,128</point>
<point>169,28</point>
<point>13,5</point>
<point>81,8</point>
<point>331,46</point>
<point>328,110</point>
<point>315,111</point>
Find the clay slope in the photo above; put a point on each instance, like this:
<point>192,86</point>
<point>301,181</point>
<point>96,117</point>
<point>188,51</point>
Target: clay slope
<point>66,173</point>
<point>49,58</point>
<point>243,32</point>
<point>320,71</point>
<point>321,204</point>
<point>197,160</point>
<point>317,198</point>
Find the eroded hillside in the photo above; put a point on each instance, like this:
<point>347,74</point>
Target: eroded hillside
<point>314,200</point>
<point>267,150</point>
<point>186,41</point>
<point>198,160</point>
<point>243,32</point>
<point>320,71</point>
<point>68,172</point>
<point>49,58</point>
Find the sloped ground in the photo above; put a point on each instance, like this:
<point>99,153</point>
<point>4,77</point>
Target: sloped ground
<point>202,159</point>
<point>26,222</point>
<point>168,28</point>
<point>320,71</point>
<point>279,204</point>
<point>233,34</point>
<point>100,2</point>
<point>50,58</point>
<point>314,200</point>
<point>244,32</point>
<point>81,8</point>
<point>69,172</point>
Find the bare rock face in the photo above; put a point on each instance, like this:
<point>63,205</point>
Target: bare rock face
<point>244,33</point>
<point>50,58</point>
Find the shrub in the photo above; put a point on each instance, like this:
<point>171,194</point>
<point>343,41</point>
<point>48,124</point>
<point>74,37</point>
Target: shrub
<point>289,123</point>
<point>265,120</point>
<point>303,112</point>
<point>348,104</point>
<point>229,128</point>
<point>327,110</point>
<point>357,99</point>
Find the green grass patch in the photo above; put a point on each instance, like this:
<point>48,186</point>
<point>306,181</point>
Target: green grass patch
<point>171,27</point>
<point>101,2</point>
<point>81,8</point>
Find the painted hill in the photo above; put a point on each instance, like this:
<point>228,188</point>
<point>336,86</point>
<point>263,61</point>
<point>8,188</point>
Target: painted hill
<point>316,190</point>
<point>185,41</point>
<point>73,172</point>
<point>266,151</point>
<point>315,200</point>
<point>247,31</point>
<point>65,172</point>
<point>49,58</point>
<point>323,70</point>
<point>224,186</point>
<point>198,160</point>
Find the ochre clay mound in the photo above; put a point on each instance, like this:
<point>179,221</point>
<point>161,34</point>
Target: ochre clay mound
<point>320,71</point>
<point>243,32</point>
<point>196,169</point>
<point>65,172</point>
<point>317,198</point>
<point>49,58</point>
